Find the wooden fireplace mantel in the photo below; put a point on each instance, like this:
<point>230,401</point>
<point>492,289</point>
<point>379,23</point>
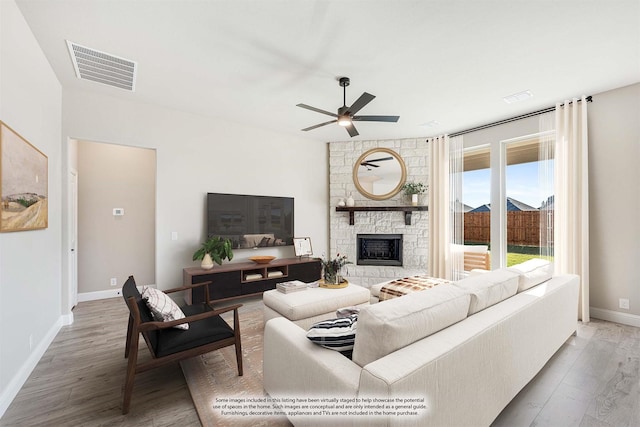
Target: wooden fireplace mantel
<point>408,210</point>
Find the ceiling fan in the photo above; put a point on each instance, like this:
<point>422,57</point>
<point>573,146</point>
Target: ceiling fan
<point>370,163</point>
<point>346,115</point>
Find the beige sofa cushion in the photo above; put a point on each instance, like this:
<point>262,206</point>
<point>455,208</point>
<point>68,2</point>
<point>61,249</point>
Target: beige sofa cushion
<point>390,325</point>
<point>532,272</point>
<point>489,288</point>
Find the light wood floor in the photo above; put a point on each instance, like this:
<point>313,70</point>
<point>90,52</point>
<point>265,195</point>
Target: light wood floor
<point>593,380</point>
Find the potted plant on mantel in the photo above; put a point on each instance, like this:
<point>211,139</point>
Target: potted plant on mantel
<point>413,189</point>
<point>214,249</point>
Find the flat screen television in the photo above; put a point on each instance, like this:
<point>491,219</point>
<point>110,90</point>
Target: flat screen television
<point>250,221</point>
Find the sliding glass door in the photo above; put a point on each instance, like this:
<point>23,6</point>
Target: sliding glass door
<point>528,199</point>
<point>508,198</point>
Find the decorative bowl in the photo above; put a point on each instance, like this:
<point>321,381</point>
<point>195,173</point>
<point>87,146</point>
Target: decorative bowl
<point>262,259</point>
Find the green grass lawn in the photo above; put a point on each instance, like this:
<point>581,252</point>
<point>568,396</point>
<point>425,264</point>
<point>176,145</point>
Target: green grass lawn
<point>516,258</point>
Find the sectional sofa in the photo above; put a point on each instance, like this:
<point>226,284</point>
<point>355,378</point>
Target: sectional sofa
<point>458,353</point>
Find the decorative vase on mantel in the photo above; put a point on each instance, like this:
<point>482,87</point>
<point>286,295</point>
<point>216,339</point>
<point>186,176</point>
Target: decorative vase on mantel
<point>414,199</point>
<point>207,262</point>
<point>350,202</point>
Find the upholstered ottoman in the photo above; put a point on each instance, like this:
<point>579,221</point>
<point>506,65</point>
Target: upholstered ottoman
<point>304,308</point>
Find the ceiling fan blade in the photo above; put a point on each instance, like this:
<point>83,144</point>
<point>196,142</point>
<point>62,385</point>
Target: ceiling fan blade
<point>321,124</point>
<point>367,164</point>
<point>381,159</point>
<point>352,130</point>
<point>317,110</point>
<point>364,99</point>
<point>376,118</point>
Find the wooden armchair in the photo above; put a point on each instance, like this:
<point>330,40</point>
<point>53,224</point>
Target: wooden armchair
<point>477,260</point>
<point>475,257</point>
<point>207,332</point>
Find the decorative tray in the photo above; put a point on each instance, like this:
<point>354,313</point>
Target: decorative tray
<point>340,285</point>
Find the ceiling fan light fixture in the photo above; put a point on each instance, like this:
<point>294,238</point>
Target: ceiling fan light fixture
<point>344,120</point>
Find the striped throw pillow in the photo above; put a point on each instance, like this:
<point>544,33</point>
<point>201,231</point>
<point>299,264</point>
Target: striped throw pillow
<point>162,307</point>
<point>335,334</point>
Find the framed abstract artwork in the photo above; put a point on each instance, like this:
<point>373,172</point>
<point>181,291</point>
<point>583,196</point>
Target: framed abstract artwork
<point>23,183</point>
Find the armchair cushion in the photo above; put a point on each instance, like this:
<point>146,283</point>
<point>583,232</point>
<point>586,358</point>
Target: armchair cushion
<point>202,332</point>
<point>163,307</point>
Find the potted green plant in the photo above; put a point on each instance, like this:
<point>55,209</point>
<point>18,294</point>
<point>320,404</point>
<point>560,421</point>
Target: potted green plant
<point>214,249</point>
<point>332,269</point>
<point>413,189</point>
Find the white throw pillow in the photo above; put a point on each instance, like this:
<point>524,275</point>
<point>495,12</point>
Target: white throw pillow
<point>532,272</point>
<point>162,307</point>
<point>489,288</point>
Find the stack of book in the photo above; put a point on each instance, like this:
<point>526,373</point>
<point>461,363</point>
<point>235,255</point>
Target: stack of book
<point>275,273</point>
<point>292,286</point>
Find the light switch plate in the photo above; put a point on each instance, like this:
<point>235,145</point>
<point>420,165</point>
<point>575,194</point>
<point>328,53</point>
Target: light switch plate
<point>118,211</point>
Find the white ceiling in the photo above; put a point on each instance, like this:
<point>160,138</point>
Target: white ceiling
<point>445,61</point>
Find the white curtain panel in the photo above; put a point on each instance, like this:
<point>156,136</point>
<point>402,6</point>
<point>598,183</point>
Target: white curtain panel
<point>571,213</point>
<point>546,155</point>
<point>456,211</point>
<point>439,201</point>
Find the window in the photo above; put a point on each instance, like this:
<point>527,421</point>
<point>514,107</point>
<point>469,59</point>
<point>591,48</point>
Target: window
<point>516,175</point>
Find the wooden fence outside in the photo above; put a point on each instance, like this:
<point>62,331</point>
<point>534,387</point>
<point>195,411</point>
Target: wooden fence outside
<point>523,228</point>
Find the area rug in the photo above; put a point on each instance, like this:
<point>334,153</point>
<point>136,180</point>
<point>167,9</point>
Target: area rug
<point>214,375</point>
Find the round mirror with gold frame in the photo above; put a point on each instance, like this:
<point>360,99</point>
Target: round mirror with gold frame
<point>379,174</point>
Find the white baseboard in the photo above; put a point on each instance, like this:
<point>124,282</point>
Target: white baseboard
<point>21,376</point>
<point>67,319</point>
<point>615,316</point>
<point>109,293</point>
<point>92,296</point>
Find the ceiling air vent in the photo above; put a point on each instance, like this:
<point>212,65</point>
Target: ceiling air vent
<point>101,67</point>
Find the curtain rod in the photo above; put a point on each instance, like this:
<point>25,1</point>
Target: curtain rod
<point>512,119</point>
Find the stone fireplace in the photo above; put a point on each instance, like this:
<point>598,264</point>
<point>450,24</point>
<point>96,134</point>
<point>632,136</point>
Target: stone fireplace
<point>343,237</point>
<point>379,249</point>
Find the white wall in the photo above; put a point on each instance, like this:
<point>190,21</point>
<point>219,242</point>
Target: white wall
<point>30,261</point>
<point>614,203</point>
<point>109,246</point>
<point>196,155</point>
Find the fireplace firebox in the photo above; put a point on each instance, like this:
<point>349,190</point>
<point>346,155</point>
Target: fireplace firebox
<point>380,249</point>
